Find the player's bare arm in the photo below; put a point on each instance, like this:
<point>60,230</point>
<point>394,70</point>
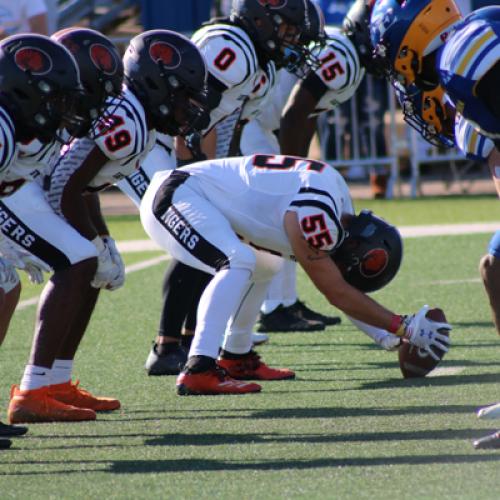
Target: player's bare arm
<point>73,205</point>
<point>296,126</point>
<point>327,278</point>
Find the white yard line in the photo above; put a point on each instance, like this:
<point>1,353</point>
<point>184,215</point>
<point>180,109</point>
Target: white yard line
<point>138,266</point>
<point>446,371</point>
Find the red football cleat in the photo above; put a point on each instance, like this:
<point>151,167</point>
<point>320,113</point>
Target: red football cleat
<point>212,382</point>
<point>250,367</point>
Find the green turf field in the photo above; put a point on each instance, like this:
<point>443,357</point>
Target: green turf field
<point>348,427</point>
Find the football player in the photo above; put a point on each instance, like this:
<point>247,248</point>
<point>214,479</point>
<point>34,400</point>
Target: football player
<point>236,218</point>
<point>39,90</point>
<point>345,58</point>
<point>165,81</point>
<point>242,53</point>
<point>446,68</point>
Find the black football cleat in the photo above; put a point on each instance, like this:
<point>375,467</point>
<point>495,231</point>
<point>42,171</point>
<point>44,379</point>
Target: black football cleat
<point>282,319</point>
<point>492,441</point>
<point>168,363</point>
<point>5,444</point>
<point>12,430</point>
<point>302,311</point>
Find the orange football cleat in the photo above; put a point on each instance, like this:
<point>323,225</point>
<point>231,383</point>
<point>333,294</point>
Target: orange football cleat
<point>250,367</point>
<point>70,394</point>
<point>37,405</point>
<point>212,382</point>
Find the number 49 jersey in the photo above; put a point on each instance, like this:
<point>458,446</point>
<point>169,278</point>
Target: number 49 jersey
<point>255,192</point>
<point>125,142</point>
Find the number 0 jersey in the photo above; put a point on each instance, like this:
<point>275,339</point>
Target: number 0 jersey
<point>234,70</point>
<point>255,192</point>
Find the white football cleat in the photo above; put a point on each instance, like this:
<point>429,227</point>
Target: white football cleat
<point>259,338</point>
<point>489,412</point>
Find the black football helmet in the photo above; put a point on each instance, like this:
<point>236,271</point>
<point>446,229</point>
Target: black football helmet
<point>262,19</point>
<point>356,26</point>
<point>101,74</point>
<point>168,74</point>
<point>39,85</point>
<point>370,255</point>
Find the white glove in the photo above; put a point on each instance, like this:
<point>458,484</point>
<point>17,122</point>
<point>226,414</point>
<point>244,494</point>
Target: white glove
<point>119,279</point>
<point>423,332</point>
<point>22,259</point>
<point>107,270</point>
<point>8,275</point>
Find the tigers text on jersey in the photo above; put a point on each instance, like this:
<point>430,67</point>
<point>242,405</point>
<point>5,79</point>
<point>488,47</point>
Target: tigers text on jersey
<point>126,142</point>
<point>254,192</point>
<point>234,69</point>
<point>472,49</point>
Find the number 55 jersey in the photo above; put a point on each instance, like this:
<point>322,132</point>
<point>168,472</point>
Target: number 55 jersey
<point>253,193</point>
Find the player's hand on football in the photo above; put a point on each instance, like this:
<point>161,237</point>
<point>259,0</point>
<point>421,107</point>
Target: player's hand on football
<point>119,278</point>
<point>107,270</point>
<point>423,332</point>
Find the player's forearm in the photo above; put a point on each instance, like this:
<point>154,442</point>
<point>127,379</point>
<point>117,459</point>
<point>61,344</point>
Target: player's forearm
<point>295,136</point>
<point>94,209</point>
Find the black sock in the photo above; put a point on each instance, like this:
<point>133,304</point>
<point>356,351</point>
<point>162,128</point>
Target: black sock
<point>186,341</point>
<point>231,355</point>
<point>164,349</point>
<point>181,287</point>
<point>197,364</point>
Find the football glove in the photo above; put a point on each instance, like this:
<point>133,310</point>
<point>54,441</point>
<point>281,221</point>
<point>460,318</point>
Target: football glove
<point>423,332</point>
<point>119,278</point>
<point>8,275</point>
<point>107,270</point>
<point>22,259</point>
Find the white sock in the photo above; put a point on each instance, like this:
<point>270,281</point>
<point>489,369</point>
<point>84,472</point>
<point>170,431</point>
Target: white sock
<point>35,377</point>
<point>61,371</point>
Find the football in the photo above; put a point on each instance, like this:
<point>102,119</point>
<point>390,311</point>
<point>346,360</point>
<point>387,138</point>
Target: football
<point>414,361</point>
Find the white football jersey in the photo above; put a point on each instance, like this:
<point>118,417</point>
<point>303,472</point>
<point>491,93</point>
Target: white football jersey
<point>234,70</point>
<point>161,157</point>
<point>126,142</point>
<point>254,192</point>
<point>340,70</point>
<point>340,73</point>
<point>7,142</point>
<point>32,162</point>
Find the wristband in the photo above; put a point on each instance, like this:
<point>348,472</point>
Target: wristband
<point>396,325</point>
